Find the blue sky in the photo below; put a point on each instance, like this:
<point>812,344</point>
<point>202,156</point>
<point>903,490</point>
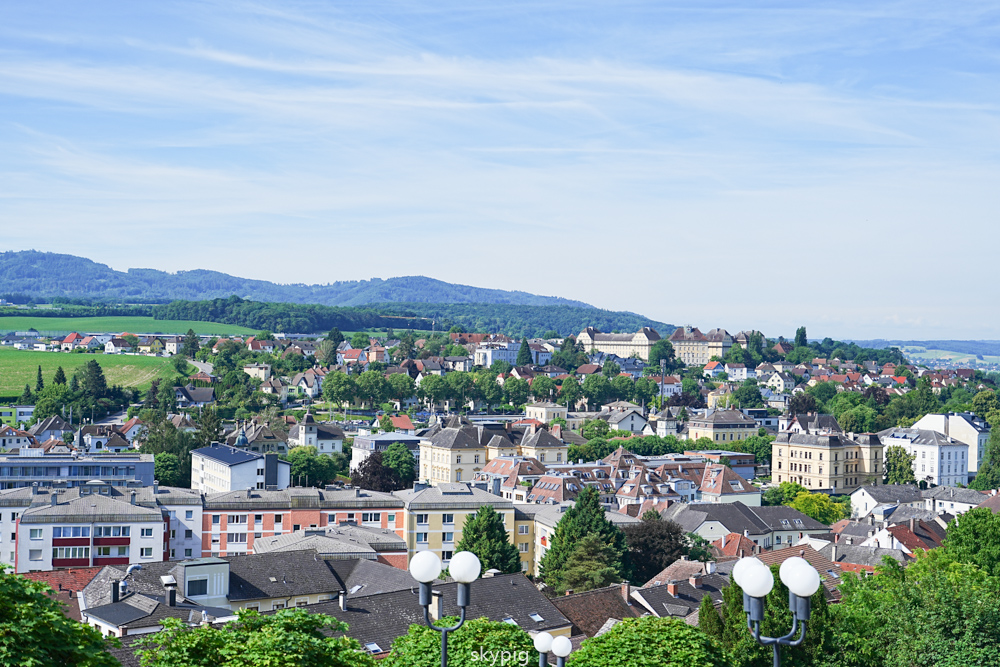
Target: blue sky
<point>757,165</point>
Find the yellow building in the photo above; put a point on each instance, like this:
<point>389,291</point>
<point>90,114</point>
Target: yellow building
<point>722,426</point>
<point>695,348</point>
<point>544,447</point>
<point>451,455</point>
<point>435,515</point>
<point>624,345</point>
<point>833,462</point>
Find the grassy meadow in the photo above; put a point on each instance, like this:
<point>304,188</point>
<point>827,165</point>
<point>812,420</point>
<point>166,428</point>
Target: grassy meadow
<point>136,325</point>
<point>19,367</point>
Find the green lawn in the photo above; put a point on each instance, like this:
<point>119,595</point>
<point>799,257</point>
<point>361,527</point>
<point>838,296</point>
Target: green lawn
<point>921,354</point>
<point>136,325</point>
<point>19,367</point>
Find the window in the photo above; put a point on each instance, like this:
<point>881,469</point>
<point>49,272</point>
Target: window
<point>422,518</point>
<point>458,459</point>
<point>422,537</point>
<point>148,532</point>
<point>449,537</point>
<point>371,517</point>
<point>215,519</point>
<point>36,533</point>
<point>391,518</point>
<point>296,526</point>
<point>523,547</point>
<point>236,538</point>
<point>188,534</point>
<point>189,514</point>
<point>522,530</point>
<point>237,518</point>
<point>70,552</point>
<point>475,459</point>
<point>448,518</point>
<point>34,554</point>
<point>172,553</point>
<point>278,605</point>
<point>277,519</point>
<point>197,587</point>
<point>146,552</point>
<point>536,617</point>
<point>372,647</point>
<point>187,553</point>
<point>446,555</point>
<point>72,531</point>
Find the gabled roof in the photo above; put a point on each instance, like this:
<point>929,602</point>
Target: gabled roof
<point>893,493</point>
<point>591,610</point>
<point>661,602</point>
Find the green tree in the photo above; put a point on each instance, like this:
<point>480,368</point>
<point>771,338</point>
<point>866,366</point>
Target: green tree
<point>783,494</point>
<point>622,388</point>
<point>524,354</point>
<point>35,631</point>
<point>485,535</point>
<point>26,396</point>
<point>801,340</point>
<point>166,397</point>
<point>501,367</point>
<point>747,395</point>
<point>93,384</point>
<point>434,388</point>
<point>898,466</point>
<point>663,350</point>
<point>592,564</point>
<point>653,544</point>
<point>360,341</point>
<point>167,468</point>
<point>974,538</point>
<point>191,344</point>
<point>309,467</point>
<point>460,386</point>
<point>209,427</point>
<point>401,387</point>
<point>288,638</point>
<point>385,424</point>
<point>758,445</point>
<point>985,402</point>
<point>543,388</point>
<point>802,403</point>
<point>398,457</point>
<point>610,369</point>
<point>339,388</point>
<point>709,620</point>
<point>59,377</point>
<point>335,337</point>
<point>326,353</point>
<point>570,392</point>
<point>264,335</point>
<point>651,642</point>
<point>988,476</point>
<point>39,382</point>
<point>372,387</point>
<point>595,428</point>
<point>586,517</point>
<point>374,475</point>
<point>516,391</point>
<point>699,548</point>
<point>180,364</point>
<point>819,506</point>
<point>421,646</point>
<point>597,389</point>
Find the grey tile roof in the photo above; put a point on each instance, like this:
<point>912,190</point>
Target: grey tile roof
<point>91,508</point>
<point>893,493</point>
<point>334,539</point>
<point>735,517</point>
<point>226,454</point>
<point>956,495</point>
<point>368,577</point>
<point>661,603</point>
<point>772,516</point>
<point>450,494</point>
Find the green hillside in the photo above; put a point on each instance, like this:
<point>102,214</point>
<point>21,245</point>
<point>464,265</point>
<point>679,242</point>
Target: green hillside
<point>132,324</point>
<point>19,367</point>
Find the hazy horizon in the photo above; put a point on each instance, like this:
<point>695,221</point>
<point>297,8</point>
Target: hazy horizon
<point>745,167</point>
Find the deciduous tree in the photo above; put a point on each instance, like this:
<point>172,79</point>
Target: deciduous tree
<point>653,544</point>
<point>398,457</point>
<point>374,475</point>
<point>898,466</point>
<point>651,642</point>
<point>478,642</point>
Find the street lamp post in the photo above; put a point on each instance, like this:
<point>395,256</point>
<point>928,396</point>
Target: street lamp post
<point>560,646</point>
<point>756,580</point>
<point>464,567</point>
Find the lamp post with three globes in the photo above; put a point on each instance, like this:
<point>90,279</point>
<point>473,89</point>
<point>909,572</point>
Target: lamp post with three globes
<point>756,580</point>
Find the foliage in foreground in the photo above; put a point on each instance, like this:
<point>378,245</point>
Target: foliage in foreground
<point>289,638</point>
<point>473,644</point>
<point>650,642</point>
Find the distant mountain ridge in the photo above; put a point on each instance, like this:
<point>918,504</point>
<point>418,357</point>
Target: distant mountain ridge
<point>45,274</point>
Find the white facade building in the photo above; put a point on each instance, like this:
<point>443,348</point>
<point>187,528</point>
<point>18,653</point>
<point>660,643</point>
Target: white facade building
<point>486,355</point>
<point>964,427</point>
<point>221,468</point>
<point>939,459</point>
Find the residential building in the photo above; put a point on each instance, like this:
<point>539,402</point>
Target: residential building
<point>761,525</point>
<point>194,397</point>
<point>12,415</point>
<point>12,438</point>
<point>451,455</point>
<point>937,459</point>
<point>31,466</point>
<point>964,427</point>
<point>326,438</point>
<point>221,468</point>
<point>695,348</point>
<point>545,411</point>
<point>948,499</point>
<point>721,485</point>
<point>866,499</point>
<point>364,446</point>
<point>435,515</point>
<point>258,438</point>
<point>721,426</point>
<point>232,522</point>
<point>833,462</point>
<point>742,464</point>
<point>624,345</point>
<point>344,540</point>
<point>95,524</point>
<point>544,447</point>
<point>260,371</point>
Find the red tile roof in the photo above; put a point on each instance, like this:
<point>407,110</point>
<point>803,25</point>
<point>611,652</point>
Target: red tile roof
<point>402,423</point>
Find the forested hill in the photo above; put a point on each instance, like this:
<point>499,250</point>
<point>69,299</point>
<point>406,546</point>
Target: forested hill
<point>46,275</point>
<point>512,320</point>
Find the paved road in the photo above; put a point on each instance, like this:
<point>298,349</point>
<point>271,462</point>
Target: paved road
<point>202,366</point>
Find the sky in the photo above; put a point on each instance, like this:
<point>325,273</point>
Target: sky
<point>757,165</point>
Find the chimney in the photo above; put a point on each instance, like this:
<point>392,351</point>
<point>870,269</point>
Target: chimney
<point>249,492</point>
<point>436,609</point>
<point>54,499</point>
<point>710,567</point>
<point>695,580</point>
<point>132,496</point>
<point>833,553</point>
<point>625,591</point>
<point>723,541</point>
<point>171,596</point>
<point>672,588</point>
<point>913,525</point>
<point>114,591</point>
<point>156,487</point>
<point>34,488</point>
<point>746,533</point>
<point>871,519</point>
<point>343,600</point>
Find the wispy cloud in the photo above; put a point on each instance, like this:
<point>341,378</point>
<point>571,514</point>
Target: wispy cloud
<point>682,148</point>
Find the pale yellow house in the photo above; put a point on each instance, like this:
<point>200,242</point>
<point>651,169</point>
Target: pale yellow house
<point>545,411</point>
<point>695,348</point>
<point>435,515</point>
<point>722,426</point>
<point>544,447</point>
<point>834,462</point>
<point>451,455</point>
<point>624,345</point>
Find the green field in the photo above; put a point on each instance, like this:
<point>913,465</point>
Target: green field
<point>922,353</point>
<point>19,367</point>
<point>136,325</point>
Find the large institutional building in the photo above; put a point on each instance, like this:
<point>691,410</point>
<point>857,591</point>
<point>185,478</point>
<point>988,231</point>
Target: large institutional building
<point>624,345</point>
<point>695,348</point>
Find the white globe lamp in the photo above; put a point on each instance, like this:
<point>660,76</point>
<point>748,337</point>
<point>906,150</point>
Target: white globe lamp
<point>464,567</point>
<point>425,566</point>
